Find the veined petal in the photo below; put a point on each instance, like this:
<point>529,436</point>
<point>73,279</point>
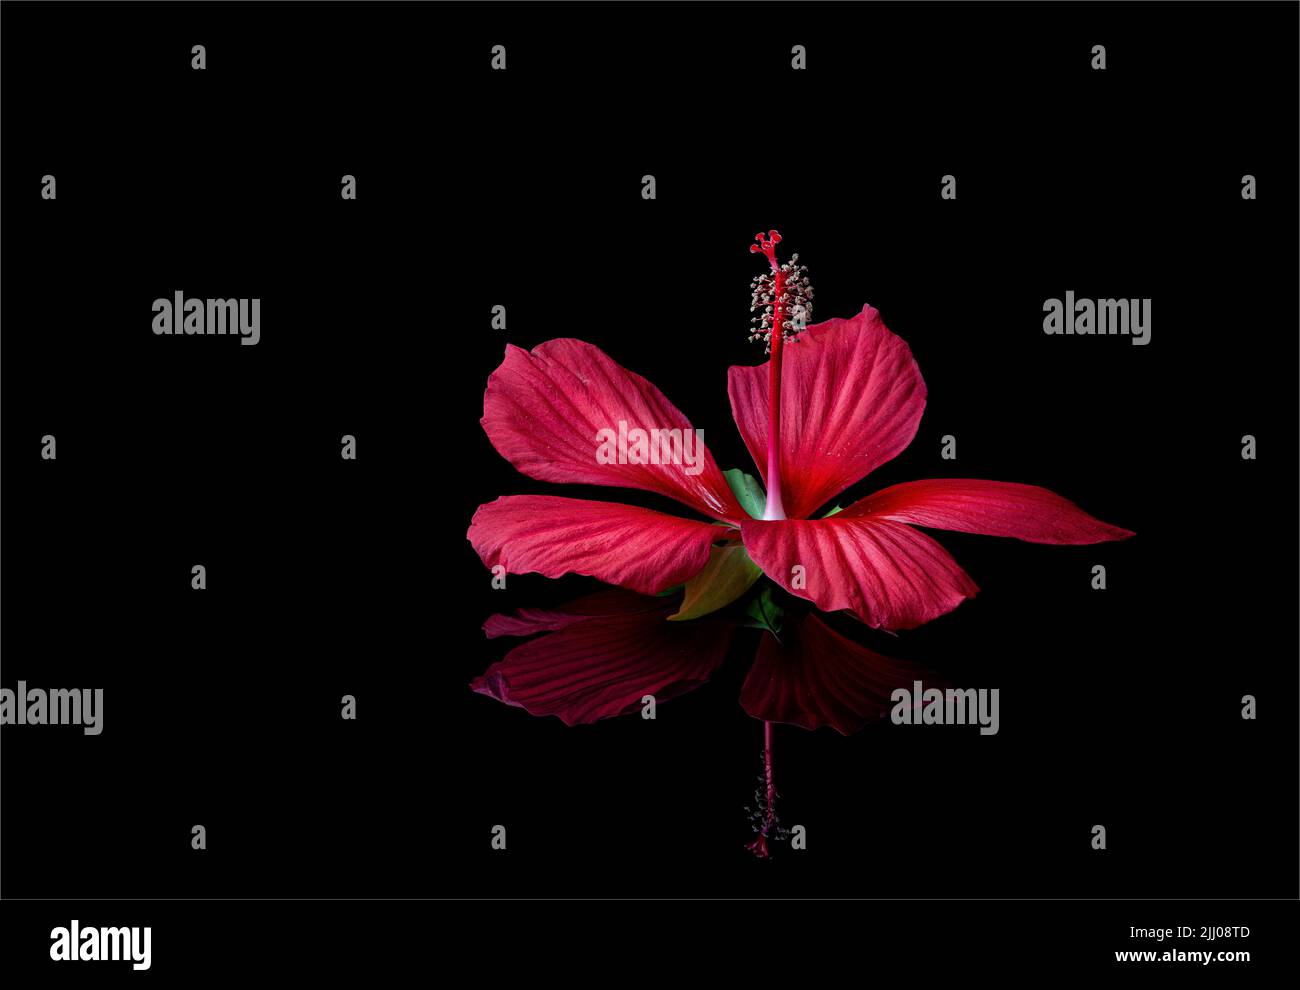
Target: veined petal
<point>603,665</point>
<point>888,574</point>
<point>623,545</point>
<point>546,411</point>
<point>851,399</point>
<point>991,508</point>
<point>814,676</point>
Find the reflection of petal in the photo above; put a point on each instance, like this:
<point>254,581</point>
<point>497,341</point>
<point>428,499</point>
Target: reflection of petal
<point>609,602</point>
<point>624,545</point>
<point>851,399</point>
<point>815,677</point>
<point>544,408</point>
<point>596,664</point>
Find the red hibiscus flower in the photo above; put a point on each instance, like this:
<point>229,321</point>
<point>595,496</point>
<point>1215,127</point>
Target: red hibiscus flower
<point>817,417</point>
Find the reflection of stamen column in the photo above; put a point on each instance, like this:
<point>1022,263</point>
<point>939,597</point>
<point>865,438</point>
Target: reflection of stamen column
<point>766,825</point>
<point>771,785</point>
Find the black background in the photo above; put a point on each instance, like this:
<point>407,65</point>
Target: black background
<point>328,577</point>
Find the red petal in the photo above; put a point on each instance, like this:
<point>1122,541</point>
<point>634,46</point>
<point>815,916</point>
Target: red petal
<point>890,575</point>
<point>851,399</point>
<point>815,677</point>
<point>992,508</point>
<point>603,666</point>
<point>624,545</point>
<point>543,411</point>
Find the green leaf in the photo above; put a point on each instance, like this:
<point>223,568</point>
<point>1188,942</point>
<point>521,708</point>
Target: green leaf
<point>765,613</point>
<point>728,575</point>
<point>749,493</point>
<point>838,508</point>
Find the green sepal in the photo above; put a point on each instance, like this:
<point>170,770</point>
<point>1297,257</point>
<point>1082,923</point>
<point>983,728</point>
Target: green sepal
<point>728,575</point>
<point>749,493</point>
<point>764,612</point>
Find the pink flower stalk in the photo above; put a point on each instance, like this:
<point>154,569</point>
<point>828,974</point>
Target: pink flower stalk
<point>780,302</point>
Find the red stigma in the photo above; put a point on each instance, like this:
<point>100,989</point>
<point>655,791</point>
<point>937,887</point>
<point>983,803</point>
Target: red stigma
<point>767,245</point>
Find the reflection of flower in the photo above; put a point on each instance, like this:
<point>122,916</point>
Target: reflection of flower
<point>846,398</point>
<point>600,655</point>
